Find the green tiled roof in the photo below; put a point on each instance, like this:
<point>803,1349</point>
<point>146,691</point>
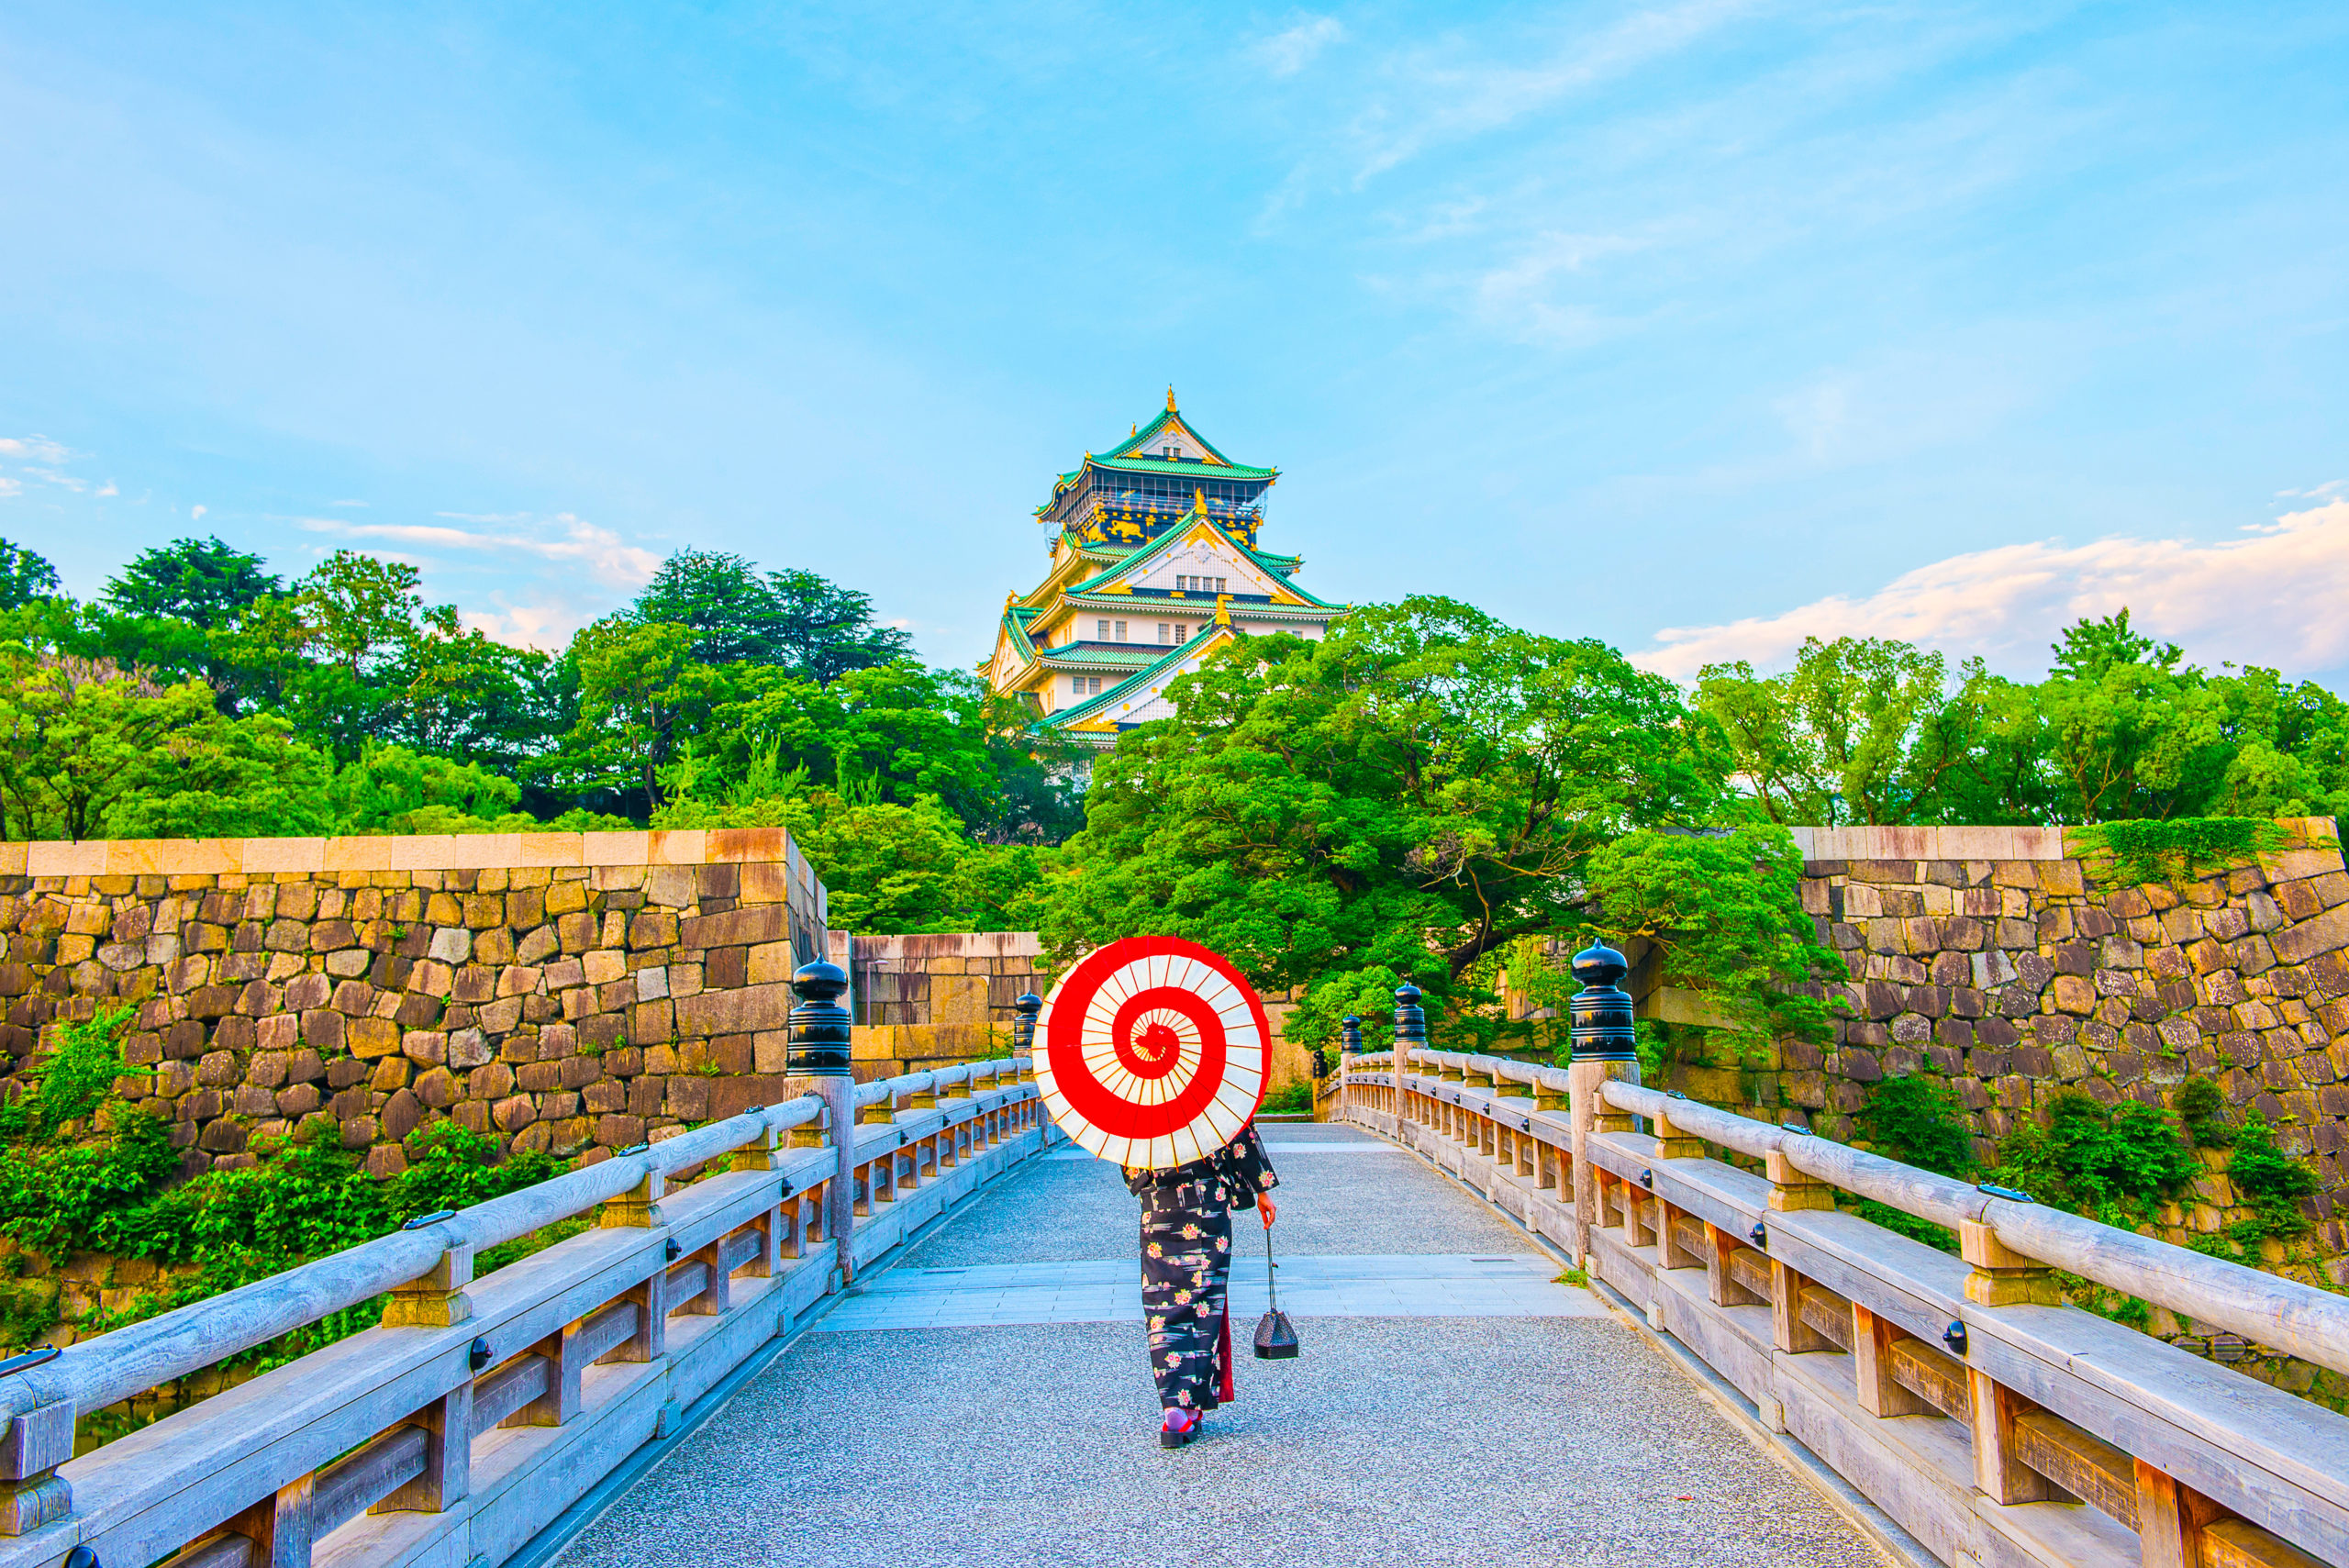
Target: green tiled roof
<point>1164,541</point>
<point>1136,655</point>
<point>1195,469</point>
<point>1150,433</point>
<point>1133,682</point>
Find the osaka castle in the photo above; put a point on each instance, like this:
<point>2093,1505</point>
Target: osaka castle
<point>1154,565</point>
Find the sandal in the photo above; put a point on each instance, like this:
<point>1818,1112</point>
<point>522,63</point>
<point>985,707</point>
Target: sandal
<point>1179,1427</point>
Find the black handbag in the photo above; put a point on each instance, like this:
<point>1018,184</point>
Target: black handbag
<point>1275,1335</point>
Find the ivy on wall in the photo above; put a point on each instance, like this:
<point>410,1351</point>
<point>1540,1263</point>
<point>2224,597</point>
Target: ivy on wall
<point>82,1171</point>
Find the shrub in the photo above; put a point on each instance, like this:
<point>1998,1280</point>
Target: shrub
<point>2270,1181</point>
<point>1914,1119</point>
<point>2203,1110</point>
<point>2094,1157</point>
<point>1290,1099</point>
<point>82,1171</point>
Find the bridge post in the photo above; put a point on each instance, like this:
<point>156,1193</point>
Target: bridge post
<point>1410,1034</point>
<point>819,1051</point>
<point>1604,1048</point>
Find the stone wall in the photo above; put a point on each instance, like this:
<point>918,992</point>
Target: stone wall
<point>570,992</point>
<point>2015,968</point>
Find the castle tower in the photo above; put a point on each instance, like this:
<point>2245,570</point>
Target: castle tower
<point>1155,564</point>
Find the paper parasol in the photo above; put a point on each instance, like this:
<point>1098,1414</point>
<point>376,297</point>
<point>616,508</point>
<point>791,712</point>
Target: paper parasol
<point>1152,1053</point>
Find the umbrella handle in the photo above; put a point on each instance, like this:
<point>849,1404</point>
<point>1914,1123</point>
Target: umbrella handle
<point>1272,1294</point>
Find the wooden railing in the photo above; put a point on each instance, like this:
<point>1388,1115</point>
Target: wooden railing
<point>1959,1394</point>
<point>481,1408</point>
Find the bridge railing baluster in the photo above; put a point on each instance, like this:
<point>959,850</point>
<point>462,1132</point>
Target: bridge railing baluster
<point>617,1327</point>
<point>2084,1436</point>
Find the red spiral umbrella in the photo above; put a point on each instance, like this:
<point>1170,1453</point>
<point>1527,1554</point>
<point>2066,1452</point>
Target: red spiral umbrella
<point>1152,1052</point>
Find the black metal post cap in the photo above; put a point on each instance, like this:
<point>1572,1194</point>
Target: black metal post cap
<point>1601,1014</point>
<point>819,1025</point>
<point>1024,1008</point>
<point>1599,964</point>
<point>1410,1020</point>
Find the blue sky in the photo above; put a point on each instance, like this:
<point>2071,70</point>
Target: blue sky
<point>1693,327</point>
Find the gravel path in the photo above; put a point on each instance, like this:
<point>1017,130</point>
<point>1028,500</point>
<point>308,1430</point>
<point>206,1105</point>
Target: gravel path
<point>1485,1441</point>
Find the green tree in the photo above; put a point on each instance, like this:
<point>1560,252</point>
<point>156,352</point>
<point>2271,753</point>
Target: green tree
<point>1414,791</point>
<point>792,619</point>
<point>638,685</point>
<point>25,576</point>
<point>1835,739</point>
<point>89,750</point>
<point>2133,731</point>
<point>1365,994</point>
<point>203,581</point>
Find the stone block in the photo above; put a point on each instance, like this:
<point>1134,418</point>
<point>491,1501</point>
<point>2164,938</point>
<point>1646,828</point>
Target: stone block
<point>646,1094</point>
<point>368,1039</point>
<point>2326,932</point>
<point>468,1048</point>
<point>577,931</point>
<point>752,924</point>
<point>743,1011</point>
<point>689,1097</point>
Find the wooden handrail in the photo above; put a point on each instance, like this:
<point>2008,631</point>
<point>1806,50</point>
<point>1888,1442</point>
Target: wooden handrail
<point>2307,1322</point>
<point>1830,1323</point>
<point>506,1350</point>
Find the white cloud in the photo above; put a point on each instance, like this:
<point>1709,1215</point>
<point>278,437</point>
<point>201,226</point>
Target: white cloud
<point>346,503</point>
<point>107,489</point>
<point>195,514</point>
<point>1456,101</point>
<point>10,487</point>
<point>605,555</point>
<point>2272,597</point>
<point>38,448</point>
<point>1517,297</point>
<point>546,624</point>
<point>1288,53</point>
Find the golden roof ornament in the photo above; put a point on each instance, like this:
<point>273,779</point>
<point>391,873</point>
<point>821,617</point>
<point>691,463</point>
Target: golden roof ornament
<point>1170,402</point>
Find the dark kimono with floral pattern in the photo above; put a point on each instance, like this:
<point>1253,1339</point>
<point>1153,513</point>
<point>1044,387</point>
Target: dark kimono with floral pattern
<point>1186,1265</point>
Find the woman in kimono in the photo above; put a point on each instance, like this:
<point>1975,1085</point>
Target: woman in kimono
<point>1187,1272</point>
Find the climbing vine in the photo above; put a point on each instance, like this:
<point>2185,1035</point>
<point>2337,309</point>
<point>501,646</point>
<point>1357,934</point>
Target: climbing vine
<point>2150,849</point>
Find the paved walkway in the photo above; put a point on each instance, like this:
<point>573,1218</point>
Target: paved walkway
<point>985,1402</point>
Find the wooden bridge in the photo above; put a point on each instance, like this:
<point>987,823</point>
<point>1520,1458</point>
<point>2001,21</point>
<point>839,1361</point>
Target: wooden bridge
<point>915,1334</point>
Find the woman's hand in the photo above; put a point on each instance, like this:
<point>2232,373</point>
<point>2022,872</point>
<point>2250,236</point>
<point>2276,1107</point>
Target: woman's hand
<point>1264,1207</point>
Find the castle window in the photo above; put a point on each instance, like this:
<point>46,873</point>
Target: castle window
<point>1182,632</point>
<point>1101,632</point>
<point>1163,631</point>
<point>1121,631</point>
